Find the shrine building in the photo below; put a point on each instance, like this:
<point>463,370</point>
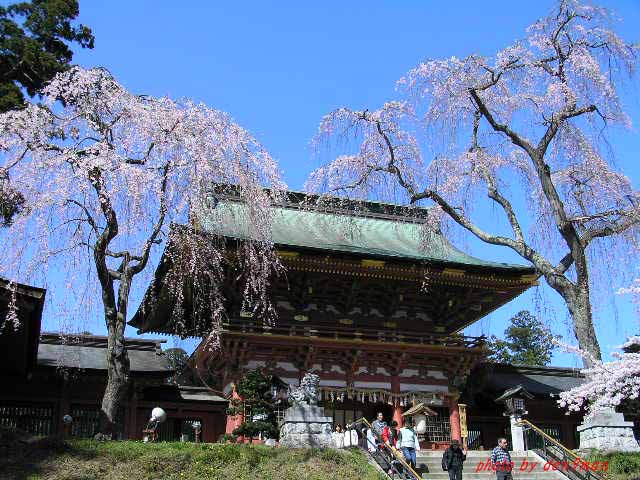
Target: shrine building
<point>371,301</point>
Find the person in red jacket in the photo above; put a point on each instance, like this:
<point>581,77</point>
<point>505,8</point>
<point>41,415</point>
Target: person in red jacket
<point>390,438</point>
<point>390,434</point>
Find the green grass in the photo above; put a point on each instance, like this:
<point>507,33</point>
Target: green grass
<point>86,460</point>
<point>622,466</point>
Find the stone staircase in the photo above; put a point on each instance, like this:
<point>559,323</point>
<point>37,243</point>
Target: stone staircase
<point>430,465</point>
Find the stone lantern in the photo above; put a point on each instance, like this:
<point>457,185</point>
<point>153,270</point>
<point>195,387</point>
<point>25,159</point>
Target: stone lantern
<point>514,403</point>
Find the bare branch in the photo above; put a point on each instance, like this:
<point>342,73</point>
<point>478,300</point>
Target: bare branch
<point>90,218</point>
<point>153,238</point>
<point>499,127</point>
<point>556,122</point>
<point>497,197</point>
<point>614,228</point>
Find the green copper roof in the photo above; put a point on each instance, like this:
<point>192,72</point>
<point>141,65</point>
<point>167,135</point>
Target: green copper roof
<point>381,235</point>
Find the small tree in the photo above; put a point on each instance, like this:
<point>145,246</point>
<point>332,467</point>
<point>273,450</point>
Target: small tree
<point>256,390</point>
<point>106,173</point>
<point>33,48</point>
<point>527,341</point>
<point>34,38</point>
<point>526,128</point>
<point>178,361</point>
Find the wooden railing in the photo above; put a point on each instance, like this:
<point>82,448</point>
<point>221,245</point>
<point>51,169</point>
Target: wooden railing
<point>357,334</point>
<point>386,454</point>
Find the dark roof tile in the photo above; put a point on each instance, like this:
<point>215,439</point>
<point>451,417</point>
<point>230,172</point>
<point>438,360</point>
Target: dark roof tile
<point>88,352</point>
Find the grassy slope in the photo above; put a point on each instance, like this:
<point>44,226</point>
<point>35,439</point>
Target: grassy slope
<point>622,466</point>
<point>138,461</point>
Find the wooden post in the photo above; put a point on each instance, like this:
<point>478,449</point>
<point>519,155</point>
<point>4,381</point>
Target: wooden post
<point>234,421</point>
<point>397,409</point>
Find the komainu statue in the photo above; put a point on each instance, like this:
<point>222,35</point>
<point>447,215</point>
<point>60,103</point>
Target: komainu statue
<point>307,392</point>
<point>305,424</point>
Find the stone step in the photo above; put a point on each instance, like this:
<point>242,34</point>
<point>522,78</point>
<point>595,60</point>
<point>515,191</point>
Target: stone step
<point>470,476</point>
<point>472,453</point>
<point>476,476</point>
<point>473,468</point>
<point>436,469</point>
<point>475,461</point>
<point>431,462</point>
<point>472,473</point>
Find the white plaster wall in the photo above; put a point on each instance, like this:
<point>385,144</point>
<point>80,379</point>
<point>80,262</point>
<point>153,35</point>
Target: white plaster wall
<point>414,387</point>
<point>333,383</point>
<point>287,366</point>
<point>381,385</point>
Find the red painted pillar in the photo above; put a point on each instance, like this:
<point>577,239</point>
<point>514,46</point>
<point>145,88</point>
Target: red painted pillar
<point>397,409</point>
<point>454,418</point>
<point>234,421</point>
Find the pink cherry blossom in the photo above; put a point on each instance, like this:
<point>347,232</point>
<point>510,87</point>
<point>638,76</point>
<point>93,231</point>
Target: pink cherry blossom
<point>524,130</point>
<point>607,384</point>
<point>107,175</point>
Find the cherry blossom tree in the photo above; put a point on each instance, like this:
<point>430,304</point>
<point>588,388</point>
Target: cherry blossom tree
<point>527,128</point>
<point>105,175</point>
<point>608,384</point>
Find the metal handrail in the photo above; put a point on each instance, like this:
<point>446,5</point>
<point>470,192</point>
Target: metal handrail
<point>575,458</point>
<point>549,438</point>
<point>393,451</point>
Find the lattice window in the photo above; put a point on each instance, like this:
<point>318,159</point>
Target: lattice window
<point>188,434</point>
<point>86,421</point>
<point>474,437</point>
<point>533,440</point>
<point>341,415</point>
<point>169,430</point>
<point>280,410</point>
<point>438,428</point>
<point>36,419</point>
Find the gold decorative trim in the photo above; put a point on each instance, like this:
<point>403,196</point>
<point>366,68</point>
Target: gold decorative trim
<point>287,254</point>
<point>373,263</point>
<point>448,276</point>
<point>456,272</point>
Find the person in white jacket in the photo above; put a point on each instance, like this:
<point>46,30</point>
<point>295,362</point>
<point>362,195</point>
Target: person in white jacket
<point>408,442</point>
<point>338,437</point>
<point>372,442</point>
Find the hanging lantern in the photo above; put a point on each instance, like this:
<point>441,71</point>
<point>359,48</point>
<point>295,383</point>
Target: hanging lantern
<point>420,423</point>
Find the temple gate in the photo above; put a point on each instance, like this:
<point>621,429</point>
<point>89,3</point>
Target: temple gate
<point>372,302</point>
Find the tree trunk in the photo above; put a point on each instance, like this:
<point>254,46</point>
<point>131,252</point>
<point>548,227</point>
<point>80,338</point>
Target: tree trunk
<point>117,378</point>
<point>580,309</point>
<point>577,297</point>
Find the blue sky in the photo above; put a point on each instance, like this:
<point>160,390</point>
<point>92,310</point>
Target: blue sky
<point>278,67</point>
